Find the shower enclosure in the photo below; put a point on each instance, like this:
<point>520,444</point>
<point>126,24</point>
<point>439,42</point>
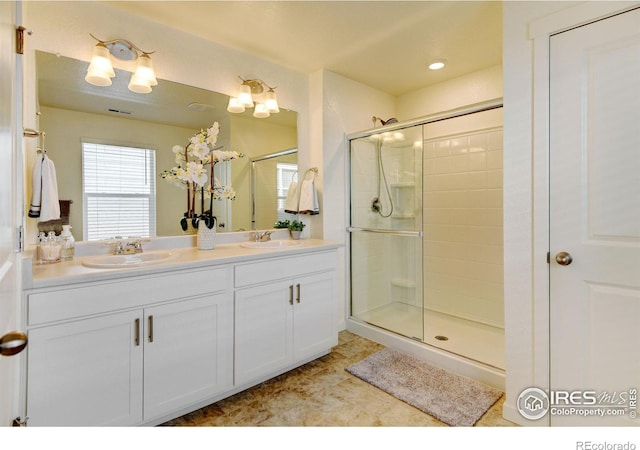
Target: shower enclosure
<point>426,234</point>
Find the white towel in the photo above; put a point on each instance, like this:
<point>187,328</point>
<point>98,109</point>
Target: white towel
<point>44,201</point>
<point>36,188</point>
<point>291,204</point>
<point>308,196</point>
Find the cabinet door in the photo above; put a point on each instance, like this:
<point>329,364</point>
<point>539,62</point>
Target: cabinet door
<point>314,330</point>
<point>188,353</point>
<point>263,334</point>
<point>86,373</point>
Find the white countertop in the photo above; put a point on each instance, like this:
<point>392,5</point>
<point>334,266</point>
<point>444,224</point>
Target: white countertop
<point>71,272</point>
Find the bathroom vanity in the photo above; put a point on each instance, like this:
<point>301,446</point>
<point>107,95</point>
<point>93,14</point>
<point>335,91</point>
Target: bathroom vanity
<point>140,346</point>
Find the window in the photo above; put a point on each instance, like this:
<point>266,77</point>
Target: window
<point>285,175</point>
<point>119,191</point>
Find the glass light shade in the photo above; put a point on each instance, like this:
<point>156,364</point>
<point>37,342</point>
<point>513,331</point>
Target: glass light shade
<point>144,70</point>
<point>244,97</point>
<point>100,70</point>
<point>235,106</point>
<point>271,102</point>
<point>261,111</point>
<point>139,85</point>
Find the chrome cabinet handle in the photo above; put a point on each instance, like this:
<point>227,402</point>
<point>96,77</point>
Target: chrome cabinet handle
<point>298,293</point>
<point>150,321</point>
<point>564,258</point>
<point>136,336</point>
<point>13,343</point>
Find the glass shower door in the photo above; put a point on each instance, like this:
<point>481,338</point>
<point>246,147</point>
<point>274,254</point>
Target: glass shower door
<point>386,230</point>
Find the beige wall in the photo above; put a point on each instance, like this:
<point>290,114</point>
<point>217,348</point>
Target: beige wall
<point>475,87</point>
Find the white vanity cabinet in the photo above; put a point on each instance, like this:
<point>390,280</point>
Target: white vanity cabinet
<point>85,373</point>
<point>127,352</point>
<point>283,314</point>
<point>115,348</point>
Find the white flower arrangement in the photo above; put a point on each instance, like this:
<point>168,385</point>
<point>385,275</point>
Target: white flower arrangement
<point>194,171</point>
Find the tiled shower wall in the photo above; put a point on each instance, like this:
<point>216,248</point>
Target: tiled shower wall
<point>463,263</point>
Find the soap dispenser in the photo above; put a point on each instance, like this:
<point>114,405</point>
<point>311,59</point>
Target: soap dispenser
<point>68,243</point>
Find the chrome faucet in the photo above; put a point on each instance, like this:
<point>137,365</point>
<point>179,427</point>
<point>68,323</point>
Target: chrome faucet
<point>127,247</point>
<point>262,236</point>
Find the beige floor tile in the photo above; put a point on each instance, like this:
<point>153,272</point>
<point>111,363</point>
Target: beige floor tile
<point>322,394</point>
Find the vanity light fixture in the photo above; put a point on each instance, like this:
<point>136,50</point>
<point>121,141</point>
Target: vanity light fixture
<point>252,91</point>
<point>100,69</point>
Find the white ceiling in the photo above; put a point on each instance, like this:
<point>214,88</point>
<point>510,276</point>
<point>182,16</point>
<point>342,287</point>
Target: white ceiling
<point>384,44</point>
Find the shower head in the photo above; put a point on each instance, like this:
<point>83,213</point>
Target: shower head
<point>384,122</point>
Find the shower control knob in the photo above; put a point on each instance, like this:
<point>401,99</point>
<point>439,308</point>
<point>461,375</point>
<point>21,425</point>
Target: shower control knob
<point>564,258</point>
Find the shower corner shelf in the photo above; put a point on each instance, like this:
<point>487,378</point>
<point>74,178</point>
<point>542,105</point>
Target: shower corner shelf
<point>403,216</point>
<point>406,184</point>
<point>403,282</point>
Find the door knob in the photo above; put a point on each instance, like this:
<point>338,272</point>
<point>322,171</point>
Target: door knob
<point>564,258</point>
<point>12,343</point>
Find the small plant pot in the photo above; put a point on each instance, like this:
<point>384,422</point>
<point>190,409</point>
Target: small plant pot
<point>295,234</point>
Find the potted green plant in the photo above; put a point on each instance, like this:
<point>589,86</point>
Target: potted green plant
<point>281,224</point>
<point>295,228</point>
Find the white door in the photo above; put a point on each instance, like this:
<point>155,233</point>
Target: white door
<point>595,220</point>
<point>10,197</point>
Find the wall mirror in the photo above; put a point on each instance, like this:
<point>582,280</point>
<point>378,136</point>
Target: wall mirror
<point>268,205</point>
<point>71,112</point>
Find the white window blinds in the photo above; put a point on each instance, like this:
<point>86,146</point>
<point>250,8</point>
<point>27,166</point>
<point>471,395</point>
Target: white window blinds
<point>285,174</point>
<point>118,185</point>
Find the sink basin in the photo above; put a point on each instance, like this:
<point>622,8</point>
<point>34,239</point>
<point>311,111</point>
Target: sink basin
<point>271,244</point>
<point>131,260</point>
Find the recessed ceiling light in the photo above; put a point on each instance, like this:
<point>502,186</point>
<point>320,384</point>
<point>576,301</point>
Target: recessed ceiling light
<point>437,64</point>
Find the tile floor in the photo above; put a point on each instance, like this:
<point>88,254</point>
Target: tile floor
<point>322,393</point>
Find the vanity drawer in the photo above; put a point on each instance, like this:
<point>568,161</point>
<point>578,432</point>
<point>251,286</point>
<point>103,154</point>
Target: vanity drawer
<point>282,268</point>
<point>96,298</point>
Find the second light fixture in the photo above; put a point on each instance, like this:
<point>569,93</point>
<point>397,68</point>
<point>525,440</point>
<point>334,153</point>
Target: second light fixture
<point>265,104</point>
